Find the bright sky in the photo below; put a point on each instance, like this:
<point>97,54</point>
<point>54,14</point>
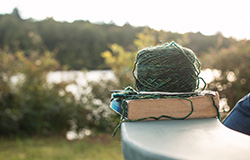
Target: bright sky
<point>230,17</point>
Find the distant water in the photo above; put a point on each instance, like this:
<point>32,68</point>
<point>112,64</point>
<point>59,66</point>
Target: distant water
<point>81,78</point>
<point>210,74</point>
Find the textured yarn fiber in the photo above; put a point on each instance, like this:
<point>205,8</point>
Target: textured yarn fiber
<point>168,68</point>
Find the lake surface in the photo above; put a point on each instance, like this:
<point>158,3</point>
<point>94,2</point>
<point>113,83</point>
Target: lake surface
<point>81,78</point>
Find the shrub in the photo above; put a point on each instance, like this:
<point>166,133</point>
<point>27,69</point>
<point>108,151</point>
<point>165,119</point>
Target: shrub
<point>31,105</point>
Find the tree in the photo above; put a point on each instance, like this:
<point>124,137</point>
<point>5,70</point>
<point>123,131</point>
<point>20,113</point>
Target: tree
<point>15,13</point>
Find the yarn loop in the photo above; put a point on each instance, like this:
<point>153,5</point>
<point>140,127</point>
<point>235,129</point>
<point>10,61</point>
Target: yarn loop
<point>169,68</point>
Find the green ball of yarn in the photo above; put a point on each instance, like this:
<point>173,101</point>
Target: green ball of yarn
<point>167,68</point>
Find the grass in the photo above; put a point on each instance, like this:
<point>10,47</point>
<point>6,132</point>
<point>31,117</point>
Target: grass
<point>101,147</point>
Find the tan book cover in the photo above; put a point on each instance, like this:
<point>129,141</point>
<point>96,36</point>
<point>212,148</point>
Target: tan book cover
<point>203,107</point>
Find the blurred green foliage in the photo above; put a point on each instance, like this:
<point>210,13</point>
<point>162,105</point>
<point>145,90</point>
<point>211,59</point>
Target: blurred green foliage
<point>30,49</point>
<point>79,44</point>
<point>31,105</point>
